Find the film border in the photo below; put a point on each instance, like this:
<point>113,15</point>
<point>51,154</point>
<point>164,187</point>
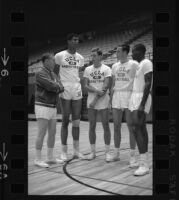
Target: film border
<point>13,113</point>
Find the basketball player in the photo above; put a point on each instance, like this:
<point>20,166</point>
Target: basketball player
<point>123,73</point>
<point>96,81</point>
<point>48,87</point>
<point>139,105</point>
<point>70,62</point>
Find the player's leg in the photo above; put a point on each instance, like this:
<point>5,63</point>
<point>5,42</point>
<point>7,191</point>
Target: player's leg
<point>138,118</point>
<point>92,117</point>
<point>42,128</point>
<point>144,128</point>
<point>76,115</point>
<point>66,110</point>
<point>51,142</point>
<point>107,133</point>
<point>132,141</point>
<point>117,120</point>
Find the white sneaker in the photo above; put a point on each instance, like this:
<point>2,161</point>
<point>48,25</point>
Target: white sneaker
<point>114,157</point>
<point>133,162</point>
<point>64,157</point>
<point>40,163</point>
<point>91,156</point>
<point>79,156</point>
<point>109,157</point>
<point>55,161</point>
<point>142,170</point>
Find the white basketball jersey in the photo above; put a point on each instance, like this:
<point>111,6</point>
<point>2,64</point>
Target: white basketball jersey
<point>69,66</point>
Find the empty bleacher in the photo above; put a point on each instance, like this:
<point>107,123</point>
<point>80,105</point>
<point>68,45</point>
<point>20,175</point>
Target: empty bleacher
<point>107,42</point>
<point>145,39</point>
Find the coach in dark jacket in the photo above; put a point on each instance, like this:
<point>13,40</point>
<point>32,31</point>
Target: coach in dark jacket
<point>47,88</point>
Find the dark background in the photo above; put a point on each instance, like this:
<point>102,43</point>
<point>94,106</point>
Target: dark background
<point>54,19</point>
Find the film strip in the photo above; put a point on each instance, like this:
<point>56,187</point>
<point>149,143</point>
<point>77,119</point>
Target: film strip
<point>14,93</point>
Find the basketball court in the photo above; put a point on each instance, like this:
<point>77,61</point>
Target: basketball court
<point>82,177</point>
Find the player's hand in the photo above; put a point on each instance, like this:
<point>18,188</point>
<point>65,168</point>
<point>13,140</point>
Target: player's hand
<point>61,88</point>
<point>100,92</point>
<point>110,105</point>
<point>141,108</point>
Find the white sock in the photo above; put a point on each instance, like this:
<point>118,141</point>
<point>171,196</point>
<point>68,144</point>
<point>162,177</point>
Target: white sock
<point>38,154</point>
<point>75,146</point>
<point>132,152</point>
<point>50,153</point>
<point>107,148</point>
<point>143,159</point>
<point>116,151</point>
<point>147,158</point>
<point>64,148</point>
<point>93,148</point>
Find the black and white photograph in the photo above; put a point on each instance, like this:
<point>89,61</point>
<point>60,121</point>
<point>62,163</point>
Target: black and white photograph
<point>90,78</point>
<point>88,99</point>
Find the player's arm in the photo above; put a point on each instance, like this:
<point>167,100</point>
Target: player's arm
<point>107,81</point>
<point>101,93</point>
<point>88,87</point>
<point>81,69</point>
<point>113,83</point>
<point>82,65</point>
<point>132,72</point>
<point>106,85</point>
<point>43,80</point>
<point>148,83</point>
<point>112,88</point>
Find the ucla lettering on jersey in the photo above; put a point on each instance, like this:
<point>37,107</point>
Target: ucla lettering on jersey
<point>120,74</point>
<point>124,74</point>
<point>122,79</point>
<point>96,81</point>
<point>69,65</point>
<point>95,73</point>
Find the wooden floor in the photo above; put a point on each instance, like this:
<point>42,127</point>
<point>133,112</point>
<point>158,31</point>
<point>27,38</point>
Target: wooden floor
<point>94,177</point>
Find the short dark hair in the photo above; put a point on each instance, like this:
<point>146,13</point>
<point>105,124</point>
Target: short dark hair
<point>140,47</point>
<point>71,35</point>
<point>98,50</point>
<point>125,47</point>
<point>46,56</point>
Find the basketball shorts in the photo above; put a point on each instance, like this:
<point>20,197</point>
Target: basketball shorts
<point>136,99</point>
<point>121,99</point>
<point>72,91</point>
<point>45,112</point>
<point>102,102</point>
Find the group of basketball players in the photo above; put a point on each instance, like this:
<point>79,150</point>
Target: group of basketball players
<point>126,88</point>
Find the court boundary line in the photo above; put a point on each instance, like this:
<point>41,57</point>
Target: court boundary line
<point>98,179</point>
<point>77,160</point>
<point>82,183</point>
<point>87,185</point>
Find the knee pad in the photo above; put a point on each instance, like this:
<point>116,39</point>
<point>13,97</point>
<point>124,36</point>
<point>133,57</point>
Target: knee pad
<point>76,123</point>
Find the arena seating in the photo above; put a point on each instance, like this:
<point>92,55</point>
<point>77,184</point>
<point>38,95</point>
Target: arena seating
<point>145,39</point>
<point>106,42</point>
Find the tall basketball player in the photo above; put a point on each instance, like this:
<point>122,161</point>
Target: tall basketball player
<point>97,81</point>
<point>123,73</point>
<point>70,63</point>
<point>140,104</point>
